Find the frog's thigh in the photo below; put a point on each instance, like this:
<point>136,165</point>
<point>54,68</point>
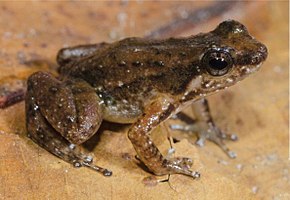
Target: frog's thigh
<point>71,108</point>
<point>46,136</point>
<point>43,90</point>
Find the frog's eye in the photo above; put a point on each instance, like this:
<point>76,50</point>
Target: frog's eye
<point>217,62</point>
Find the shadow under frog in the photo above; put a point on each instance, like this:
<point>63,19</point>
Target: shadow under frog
<point>139,82</point>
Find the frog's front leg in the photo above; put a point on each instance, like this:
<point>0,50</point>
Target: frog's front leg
<point>139,134</point>
<point>61,115</point>
<point>205,127</point>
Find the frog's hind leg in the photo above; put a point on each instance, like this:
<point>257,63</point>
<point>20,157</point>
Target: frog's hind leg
<point>40,128</point>
<point>205,127</point>
<point>45,136</point>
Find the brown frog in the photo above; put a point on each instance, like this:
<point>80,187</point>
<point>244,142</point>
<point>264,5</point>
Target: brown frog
<point>141,82</point>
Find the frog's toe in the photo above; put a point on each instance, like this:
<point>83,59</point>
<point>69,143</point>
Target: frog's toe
<point>200,142</point>
<point>185,128</point>
<point>232,154</point>
<point>220,143</point>
<point>227,136</point>
<point>214,134</point>
<point>101,170</point>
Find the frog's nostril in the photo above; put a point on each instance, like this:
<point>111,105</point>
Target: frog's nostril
<point>262,53</point>
<point>256,59</point>
<point>263,49</point>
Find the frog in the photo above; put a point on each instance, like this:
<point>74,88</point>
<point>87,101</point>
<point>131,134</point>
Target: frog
<point>140,82</point>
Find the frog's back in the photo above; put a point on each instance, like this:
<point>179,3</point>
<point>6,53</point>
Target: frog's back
<point>137,66</point>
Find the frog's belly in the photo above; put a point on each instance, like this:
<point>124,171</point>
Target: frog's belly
<point>122,113</point>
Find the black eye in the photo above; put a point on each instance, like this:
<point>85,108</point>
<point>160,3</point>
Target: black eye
<point>217,62</point>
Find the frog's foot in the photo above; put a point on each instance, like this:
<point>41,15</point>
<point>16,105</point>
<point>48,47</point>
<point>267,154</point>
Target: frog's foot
<point>211,132</point>
<point>12,91</point>
<point>205,127</point>
<point>180,165</point>
<point>176,165</point>
<point>47,134</point>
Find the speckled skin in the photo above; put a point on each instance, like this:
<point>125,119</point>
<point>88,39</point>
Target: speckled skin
<point>137,81</point>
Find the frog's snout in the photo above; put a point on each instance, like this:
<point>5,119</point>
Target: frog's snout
<point>263,52</point>
<point>260,56</point>
<point>253,57</point>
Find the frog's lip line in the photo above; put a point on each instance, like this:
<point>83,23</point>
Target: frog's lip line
<point>233,79</point>
<point>252,68</point>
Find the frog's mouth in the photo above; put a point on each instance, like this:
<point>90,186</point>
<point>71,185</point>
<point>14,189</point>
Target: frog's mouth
<point>249,69</point>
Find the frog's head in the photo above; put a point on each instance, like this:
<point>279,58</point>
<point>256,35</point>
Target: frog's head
<point>231,55</point>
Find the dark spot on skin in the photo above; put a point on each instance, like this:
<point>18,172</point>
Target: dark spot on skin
<point>159,63</point>
<point>112,56</point>
<point>183,54</point>
<point>168,54</point>
<point>137,63</point>
<point>157,52</point>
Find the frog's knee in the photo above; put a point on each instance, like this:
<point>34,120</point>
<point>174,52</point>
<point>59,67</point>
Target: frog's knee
<point>37,78</point>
